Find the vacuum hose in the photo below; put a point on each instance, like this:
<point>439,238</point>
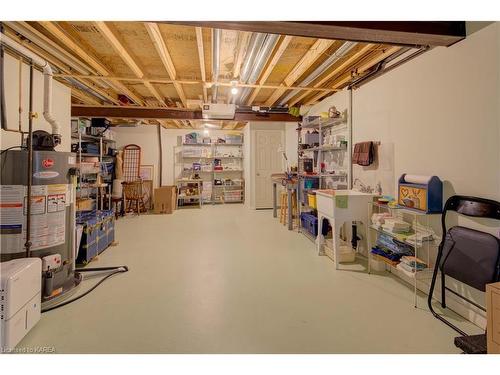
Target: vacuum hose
<point>116,269</point>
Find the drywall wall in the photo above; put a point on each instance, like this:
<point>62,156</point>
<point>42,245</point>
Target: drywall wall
<point>14,85</point>
<point>440,112</point>
<point>145,136</point>
<point>291,142</point>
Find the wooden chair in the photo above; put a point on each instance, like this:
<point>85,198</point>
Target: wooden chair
<point>284,208</point>
<point>134,196</point>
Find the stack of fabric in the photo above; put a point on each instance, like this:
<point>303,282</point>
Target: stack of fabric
<point>411,264</point>
<point>391,248</point>
<point>394,225</point>
<point>422,234</point>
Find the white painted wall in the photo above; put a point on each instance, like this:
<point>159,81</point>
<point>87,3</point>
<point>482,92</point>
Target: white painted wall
<point>61,104</point>
<point>441,114</point>
<point>291,142</point>
<point>145,136</point>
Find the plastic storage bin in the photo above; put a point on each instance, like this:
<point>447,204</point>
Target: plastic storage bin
<point>309,222</point>
<point>88,243</point>
<point>234,139</point>
<point>311,199</point>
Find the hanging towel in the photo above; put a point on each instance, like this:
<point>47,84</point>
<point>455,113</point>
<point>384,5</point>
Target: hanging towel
<point>363,153</point>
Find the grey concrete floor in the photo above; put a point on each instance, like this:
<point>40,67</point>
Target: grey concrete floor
<point>226,279</point>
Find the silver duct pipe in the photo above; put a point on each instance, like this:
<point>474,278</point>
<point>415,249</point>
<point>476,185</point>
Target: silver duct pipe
<point>339,53</point>
<point>84,88</point>
<point>216,36</point>
<point>259,63</point>
<point>256,41</point>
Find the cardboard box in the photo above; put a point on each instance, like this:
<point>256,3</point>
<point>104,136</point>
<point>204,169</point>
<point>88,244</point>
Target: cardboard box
<point>493,317</point>
<point>164,200</point>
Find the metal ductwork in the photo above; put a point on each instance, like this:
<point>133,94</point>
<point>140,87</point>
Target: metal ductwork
<point>85,89</point>
<point>259,62</point>
<point>339,53</point>
<point>256,41</point>
<point>216,37</point>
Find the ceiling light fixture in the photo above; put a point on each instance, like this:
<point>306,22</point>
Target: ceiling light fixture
<point>234,89</point>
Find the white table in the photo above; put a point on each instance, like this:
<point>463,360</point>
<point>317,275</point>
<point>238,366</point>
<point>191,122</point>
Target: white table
<point>328,207</point>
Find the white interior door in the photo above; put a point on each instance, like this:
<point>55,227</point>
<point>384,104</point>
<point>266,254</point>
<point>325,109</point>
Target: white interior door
<point>267,161</point>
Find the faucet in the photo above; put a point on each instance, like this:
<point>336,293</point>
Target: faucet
<point>363,187</point>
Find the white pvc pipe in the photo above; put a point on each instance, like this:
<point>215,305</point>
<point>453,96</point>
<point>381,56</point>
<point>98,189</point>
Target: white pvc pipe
<point>47,81</point>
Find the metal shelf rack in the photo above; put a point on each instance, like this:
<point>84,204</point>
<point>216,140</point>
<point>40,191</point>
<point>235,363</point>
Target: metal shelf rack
<point>88,180</point>
<point>222,192</point>
<point>421,251</point>
<point>336,177</point>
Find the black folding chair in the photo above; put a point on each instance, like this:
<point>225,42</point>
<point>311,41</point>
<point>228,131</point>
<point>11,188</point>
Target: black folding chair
<point>469,256</point>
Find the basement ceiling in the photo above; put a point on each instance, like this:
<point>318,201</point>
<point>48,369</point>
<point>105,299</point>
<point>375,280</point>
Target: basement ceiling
<point>170,65</point>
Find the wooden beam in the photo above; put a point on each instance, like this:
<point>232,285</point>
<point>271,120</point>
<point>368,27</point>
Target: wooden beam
<point>155,93</point>
<point>87,99</point>
<point>316,50</point>
<point>201,59</point>
<point>61,36</point>
<point>282,46</point>
<point>118,47</point>
<point>53,60</point>
<point>365,65</point>
<point>95,87</point>
<point>243,40</point>
<point>89,59</point>
<point>169,113</point>
<point>126,57</point>
<point>195,82</point>
<point>408,33</point>
<point>161,48</point>
<point>337,70</point>
<point>121,88</point>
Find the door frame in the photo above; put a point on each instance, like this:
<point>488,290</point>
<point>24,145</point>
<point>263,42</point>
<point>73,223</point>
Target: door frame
<point>281,128</point>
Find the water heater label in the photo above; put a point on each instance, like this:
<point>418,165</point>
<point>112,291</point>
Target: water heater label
<point>11,217</point>
<point>48,216</point>
<point>11,208</point>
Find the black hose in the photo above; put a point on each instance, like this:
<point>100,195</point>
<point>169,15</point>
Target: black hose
<point>118,269</point>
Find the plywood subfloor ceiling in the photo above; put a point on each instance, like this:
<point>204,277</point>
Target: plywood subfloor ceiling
<point>165,65</point>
